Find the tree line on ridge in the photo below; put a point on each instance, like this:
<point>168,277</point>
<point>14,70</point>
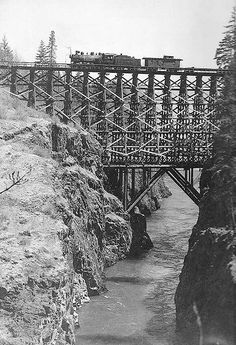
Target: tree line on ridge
<point>46,54</point>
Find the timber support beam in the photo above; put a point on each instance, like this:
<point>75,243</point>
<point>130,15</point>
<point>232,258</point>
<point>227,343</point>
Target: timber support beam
<point>49,101</point>
<point>148,186</point>
<point>31,95</point>
<point>185,182</point>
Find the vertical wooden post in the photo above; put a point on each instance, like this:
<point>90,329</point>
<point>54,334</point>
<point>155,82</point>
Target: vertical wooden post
<point>198,108</point>
<point>186,177</point>
<point>102,125</point>
<point>166,114</point>
<point>132,182</point>
<point>120,183</point>
<point>49,101</point>
<point>179,138</point>
<point>85,115</point>
<point>213,87</point>
<point>125,193</point>
<point>67,100</point>
<point>144,177</point>
<point>13,88</point>
<point>31,96</point>
<point>133,120</point>
<point>191,177</point>
<point>149,174</point>
<point>119,117</point>
<point>150,115</point>
<point>149,179</point>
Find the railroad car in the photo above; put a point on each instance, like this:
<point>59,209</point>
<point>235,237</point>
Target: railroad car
<point>126,60</point>
<point>105,59</point>
<point>168,61</point>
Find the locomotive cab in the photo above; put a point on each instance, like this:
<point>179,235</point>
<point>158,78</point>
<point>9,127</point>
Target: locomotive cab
<point>108,59</point>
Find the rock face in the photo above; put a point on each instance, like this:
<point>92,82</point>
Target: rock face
<point>205,298</point>
<point>208,281</point>
<point>151,201</point>
<point>141,240</point>
<point>58,226</point>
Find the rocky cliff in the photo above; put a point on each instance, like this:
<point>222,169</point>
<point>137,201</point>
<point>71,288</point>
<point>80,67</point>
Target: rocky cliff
<point>58,226</point>
<point>151,201</point>
<point>205,298</point>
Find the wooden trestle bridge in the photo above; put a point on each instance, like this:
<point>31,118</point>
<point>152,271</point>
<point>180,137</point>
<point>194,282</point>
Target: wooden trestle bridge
<point>148,121</point>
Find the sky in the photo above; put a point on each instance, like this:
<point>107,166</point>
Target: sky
<point>187,29</point>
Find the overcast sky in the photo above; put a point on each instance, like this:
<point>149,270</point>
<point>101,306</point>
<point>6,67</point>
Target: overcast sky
<point>187,29</point>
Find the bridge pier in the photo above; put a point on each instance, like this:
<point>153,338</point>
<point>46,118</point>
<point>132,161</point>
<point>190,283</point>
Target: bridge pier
<point>185,182</point>
<point>128,183</point>
<point>31,95</point>
<point>49,87</point>
<point>13,87</point>
<point>85,113</point>
<point>188,173</point>
<point>68,99</point>
<point>126,186</point>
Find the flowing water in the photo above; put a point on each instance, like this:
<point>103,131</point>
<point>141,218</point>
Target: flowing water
<point>138,308</point>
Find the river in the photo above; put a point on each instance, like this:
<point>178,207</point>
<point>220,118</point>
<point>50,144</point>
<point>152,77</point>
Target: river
<point>138,308</point>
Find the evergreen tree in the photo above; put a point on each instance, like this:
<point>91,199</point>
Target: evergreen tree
<point>227,46</point>
<point>226,58</point>
<point>15,56</point>
<point>6,53</point>
<point>220,173</point>
<point>41,55</point>
<point>51,48</point>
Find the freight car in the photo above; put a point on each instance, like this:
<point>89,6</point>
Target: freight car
<point>168,61</point>
<point>104,59</point>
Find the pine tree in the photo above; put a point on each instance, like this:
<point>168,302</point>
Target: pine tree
<point>227,46</point>
<point>41,55</point>
<point>51,48</point>
<point>227,59</point>
<point>6,53</point>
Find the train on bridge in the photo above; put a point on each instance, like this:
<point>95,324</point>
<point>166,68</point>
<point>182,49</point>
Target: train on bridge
<point>167,62</point>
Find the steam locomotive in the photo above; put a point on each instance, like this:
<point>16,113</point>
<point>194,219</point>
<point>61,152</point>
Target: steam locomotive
<point>166,62</point>
<point>104,59</point>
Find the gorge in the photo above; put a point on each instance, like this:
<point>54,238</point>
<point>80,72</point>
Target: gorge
<point>60,229</point>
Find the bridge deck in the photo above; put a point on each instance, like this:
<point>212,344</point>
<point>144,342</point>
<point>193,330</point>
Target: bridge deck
<point>110,68</point>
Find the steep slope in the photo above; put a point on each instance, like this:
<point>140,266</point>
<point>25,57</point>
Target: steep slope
<point>205,297</point>
<point>58,226</point>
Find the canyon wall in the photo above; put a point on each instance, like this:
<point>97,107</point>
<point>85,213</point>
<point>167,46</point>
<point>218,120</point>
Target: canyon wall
<point>59,228</point>
<point>205,297</point>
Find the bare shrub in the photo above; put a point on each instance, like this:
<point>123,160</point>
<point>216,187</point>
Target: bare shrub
<point>16,178</point>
